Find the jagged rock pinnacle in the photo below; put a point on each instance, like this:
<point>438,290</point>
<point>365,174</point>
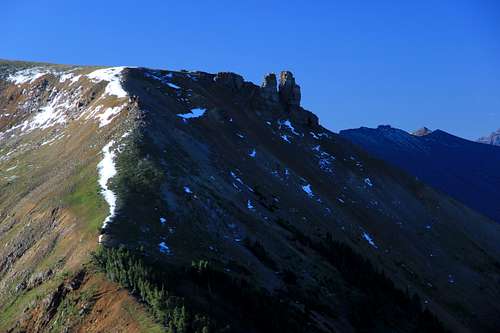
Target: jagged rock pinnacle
<point>269,87</point>
<point>289,91</point>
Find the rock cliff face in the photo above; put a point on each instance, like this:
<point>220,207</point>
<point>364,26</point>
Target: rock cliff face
<point>220,206</point>
<point>269,88</point>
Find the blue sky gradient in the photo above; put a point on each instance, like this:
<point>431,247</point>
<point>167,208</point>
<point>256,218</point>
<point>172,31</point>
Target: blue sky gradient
<point>360,63</point>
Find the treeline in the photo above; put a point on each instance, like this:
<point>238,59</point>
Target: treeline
<point>251,309</point>
<point>381,303</point>
<point>129,270</point>
<point>200,298</point>
<point>229,304</point>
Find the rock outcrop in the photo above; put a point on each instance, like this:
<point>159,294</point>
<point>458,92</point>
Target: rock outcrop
<point>269,89</point>
<point>289,91</point>
<point>422,131</point>
<point>231,80</point>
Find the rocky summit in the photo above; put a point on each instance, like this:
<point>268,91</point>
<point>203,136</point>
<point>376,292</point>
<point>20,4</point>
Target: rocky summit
<point>423,131</point>
<point>144,200</point>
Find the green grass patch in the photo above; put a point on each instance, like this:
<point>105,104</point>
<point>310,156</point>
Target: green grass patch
<point>85,200</point>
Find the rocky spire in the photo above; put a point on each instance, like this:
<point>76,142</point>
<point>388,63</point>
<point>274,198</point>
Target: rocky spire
<point>422,131</point>
<point>289,91</point>
<point>269,87</point>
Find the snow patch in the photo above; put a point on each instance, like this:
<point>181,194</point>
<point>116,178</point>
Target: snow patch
<point>107,170</point>
<point>288,124</point>
<point>163,79</point>
<point>253,153</point>
<point>27,75</point>
<point>187,190</point>
<point>163,220</point>
<point>114,76</point>
<point>49,115</point>
<point>325,160</point>
<point>195,113</point>
<point>308,190</point>
<point>163,247</point>
<point>171,85</point>
<point>108,115</point>
<point>250,205</point>
<point>69,76</point>
<point>368,182</point>
<point>369,239</point>
<point>314,135</point>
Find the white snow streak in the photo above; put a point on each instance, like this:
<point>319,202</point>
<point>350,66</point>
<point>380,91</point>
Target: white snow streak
<point>369,239</point>
<point>107,170</point>
<point>285,138</point>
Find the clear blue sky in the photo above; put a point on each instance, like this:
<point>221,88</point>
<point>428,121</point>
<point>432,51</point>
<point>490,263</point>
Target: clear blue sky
<point>404,63</point>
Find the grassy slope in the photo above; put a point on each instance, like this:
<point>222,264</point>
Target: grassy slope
<point>82,210</point>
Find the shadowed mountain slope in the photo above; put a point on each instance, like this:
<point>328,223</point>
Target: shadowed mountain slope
<point>219,206</point>
<point>466,170</point>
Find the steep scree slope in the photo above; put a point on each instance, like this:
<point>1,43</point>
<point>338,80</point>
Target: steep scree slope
<point>231,208</point>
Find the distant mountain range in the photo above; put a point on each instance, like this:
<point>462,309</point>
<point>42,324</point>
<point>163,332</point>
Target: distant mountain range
<point>466,170</point>
<point>492,139</point>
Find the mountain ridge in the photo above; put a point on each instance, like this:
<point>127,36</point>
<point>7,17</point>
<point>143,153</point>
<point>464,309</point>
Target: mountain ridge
<point>452,164</point>
<point>220,182</point>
